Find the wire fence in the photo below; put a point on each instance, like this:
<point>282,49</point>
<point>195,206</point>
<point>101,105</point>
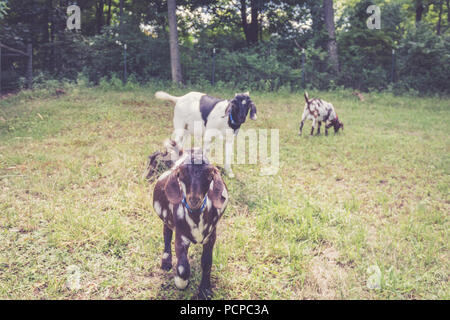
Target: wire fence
<point>14,64</point>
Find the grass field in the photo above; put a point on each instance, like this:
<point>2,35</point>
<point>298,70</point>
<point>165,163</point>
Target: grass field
<point>360,215</point>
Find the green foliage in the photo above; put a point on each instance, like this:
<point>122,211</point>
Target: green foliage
<point>260,67</point>
<point>147,57</point>
<point>3,7</point>
<point>424,61</point>
<point>365,56</point>
<point>422,57</point>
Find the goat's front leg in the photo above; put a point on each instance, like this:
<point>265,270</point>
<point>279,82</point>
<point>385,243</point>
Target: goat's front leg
<point>205,291</point>
<point>301,127</point>
<point>302,122</point>
<point>318,127</point>
<point>328,126</point>
<point>183,267</point>
<point>313,125</point>
<point>229,156</point>
<point>166,262</point>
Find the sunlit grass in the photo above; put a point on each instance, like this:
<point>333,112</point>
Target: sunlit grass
<point>374,195</point>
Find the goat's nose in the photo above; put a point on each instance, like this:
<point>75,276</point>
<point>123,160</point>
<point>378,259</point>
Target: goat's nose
<point>194,201</point>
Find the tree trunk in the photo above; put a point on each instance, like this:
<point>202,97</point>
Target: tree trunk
<point>120,14</point>
<point>244,18</point>
<point>251,30</point>
<point>173,39</point>
<point>99,15</point>
<point>329,25</point>
<point>46,34</point>
<point>52,36</point>
<point>438,27</point>
<point>254,23</point>
<point>419,11</point>
<point>108,17</point>
<point>448,12</point>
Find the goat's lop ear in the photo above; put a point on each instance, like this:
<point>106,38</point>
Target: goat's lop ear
<point>216,195</point>
<point>172,188</point>
<point>253,111</point>
<point>228,109</point>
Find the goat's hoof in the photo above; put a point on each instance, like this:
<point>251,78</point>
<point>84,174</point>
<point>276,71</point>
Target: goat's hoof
<point>204,294</point>
<point>181,283</point>
<point>166,265</point>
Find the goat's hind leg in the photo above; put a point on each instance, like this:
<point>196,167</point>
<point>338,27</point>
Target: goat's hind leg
<point>180,132</point>
<point>166,261</point>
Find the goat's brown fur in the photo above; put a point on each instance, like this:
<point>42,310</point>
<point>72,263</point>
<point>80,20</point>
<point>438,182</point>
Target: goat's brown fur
<point>190,198</point>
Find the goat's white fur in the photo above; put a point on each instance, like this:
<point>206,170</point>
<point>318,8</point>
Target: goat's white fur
<point>320,109</point>
<point>187,120</point>
<point>317,110</point>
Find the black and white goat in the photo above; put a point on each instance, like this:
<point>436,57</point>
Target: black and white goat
<point>321,111</point>
<point>215,117</point>
<point>190,198</point>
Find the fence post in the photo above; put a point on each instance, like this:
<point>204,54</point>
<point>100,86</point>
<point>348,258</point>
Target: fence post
<point>30,66</point>
<point>213,66</point>
<point>0,70</point>
<point>393,67</point>
<point>125,63</point>
<point>303,68</point>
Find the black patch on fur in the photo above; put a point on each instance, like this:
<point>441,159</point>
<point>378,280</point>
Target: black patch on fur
<point>325,119</point>
<point>234,125</point>
<point>207,103</point>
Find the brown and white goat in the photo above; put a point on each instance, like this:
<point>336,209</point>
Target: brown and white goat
<point>190,198</point>
<point>159,162</point>
<point>321,111</point>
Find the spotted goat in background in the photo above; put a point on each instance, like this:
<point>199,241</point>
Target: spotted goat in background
<point>190,198</point>
<point>321,111</point>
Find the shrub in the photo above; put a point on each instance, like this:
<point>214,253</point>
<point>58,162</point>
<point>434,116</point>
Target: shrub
<point>424,61</point>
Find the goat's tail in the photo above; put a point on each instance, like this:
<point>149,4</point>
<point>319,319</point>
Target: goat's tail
<point>165,96</point>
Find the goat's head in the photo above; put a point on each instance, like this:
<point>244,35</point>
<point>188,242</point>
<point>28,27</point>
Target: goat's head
<point>337,124</point>
<point>192,181</point>
<point>240,106</point>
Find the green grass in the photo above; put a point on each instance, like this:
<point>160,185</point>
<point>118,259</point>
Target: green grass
<point>375,197</point>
